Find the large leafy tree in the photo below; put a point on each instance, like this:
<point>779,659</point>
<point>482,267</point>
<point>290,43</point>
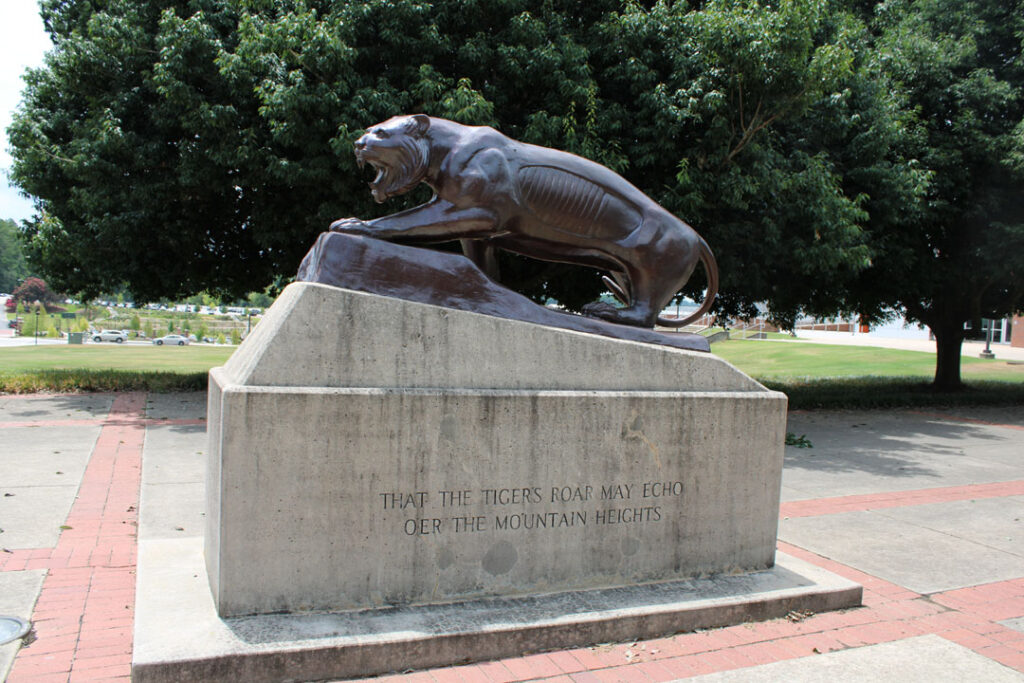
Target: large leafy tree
<point>12,261</point>
<point>958,256</point>
<point>202,144</point>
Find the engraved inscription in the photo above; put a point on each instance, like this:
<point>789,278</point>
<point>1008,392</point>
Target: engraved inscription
<point>524,508</point>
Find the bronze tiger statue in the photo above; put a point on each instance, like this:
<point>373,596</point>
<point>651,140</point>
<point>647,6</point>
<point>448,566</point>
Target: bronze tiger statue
<point>492,191</point>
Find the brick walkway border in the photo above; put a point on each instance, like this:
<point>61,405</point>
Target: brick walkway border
<point>83,618</point>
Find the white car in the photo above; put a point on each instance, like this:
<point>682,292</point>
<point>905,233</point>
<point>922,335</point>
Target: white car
<point>110,335</point>
<point>171,339</point>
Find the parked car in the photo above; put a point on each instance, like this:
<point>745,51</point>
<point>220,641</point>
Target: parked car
<point>110,335</point>
<point>171,339</point>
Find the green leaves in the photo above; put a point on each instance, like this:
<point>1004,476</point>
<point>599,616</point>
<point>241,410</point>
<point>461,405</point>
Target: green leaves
<point>180,146</point>
<point>12,259</point>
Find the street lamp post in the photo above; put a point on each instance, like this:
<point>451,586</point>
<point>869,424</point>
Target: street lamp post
<point>35,330</point>
<point>987,353</point>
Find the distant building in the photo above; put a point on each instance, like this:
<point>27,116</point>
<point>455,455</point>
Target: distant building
<point>1002,331</point>
<point>1008,331</point>
<point>898,328</point>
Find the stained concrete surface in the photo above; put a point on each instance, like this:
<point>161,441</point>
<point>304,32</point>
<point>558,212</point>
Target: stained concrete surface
<point>176,406</point>
<point>61,407</point>
<point>39,478</point>
<point>860,452</point>
<point>1015,624</point>
<point>926,548</point>
<point>906,552</point>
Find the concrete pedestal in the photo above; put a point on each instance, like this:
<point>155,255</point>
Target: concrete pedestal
<point>366,451</point>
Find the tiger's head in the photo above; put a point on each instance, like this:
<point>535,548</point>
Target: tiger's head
<point>399,151</point>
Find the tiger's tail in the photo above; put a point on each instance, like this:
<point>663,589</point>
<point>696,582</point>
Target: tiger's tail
<point>711,271</point>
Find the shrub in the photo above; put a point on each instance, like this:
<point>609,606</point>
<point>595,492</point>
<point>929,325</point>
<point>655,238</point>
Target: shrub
<point>860,393</point>
<point>100,380</point>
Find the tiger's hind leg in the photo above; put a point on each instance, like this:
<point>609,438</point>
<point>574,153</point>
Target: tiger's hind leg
<point>650,281</point>
<point>637,310</point>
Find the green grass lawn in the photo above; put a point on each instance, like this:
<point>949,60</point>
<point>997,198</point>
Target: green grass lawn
<point>793,360</point>
<point>107,367</point>
<point>176,359</point>
<point>812,375</point>
<point>774,360</point>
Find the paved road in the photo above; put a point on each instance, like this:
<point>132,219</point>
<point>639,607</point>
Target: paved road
<point>11,340</point>
<point>924,509</point>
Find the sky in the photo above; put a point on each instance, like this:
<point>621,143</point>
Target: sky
<point>23,42</point>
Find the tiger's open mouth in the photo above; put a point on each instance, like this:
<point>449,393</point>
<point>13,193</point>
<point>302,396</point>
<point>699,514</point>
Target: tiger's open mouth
<point>377,166</point>
<point>381,179</point>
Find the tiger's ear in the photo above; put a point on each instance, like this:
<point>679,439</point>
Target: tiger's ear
<point>418,124</point>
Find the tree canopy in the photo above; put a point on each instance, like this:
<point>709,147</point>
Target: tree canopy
<point>13,268</point>
<point>838,155</point>
<point>957,256</point>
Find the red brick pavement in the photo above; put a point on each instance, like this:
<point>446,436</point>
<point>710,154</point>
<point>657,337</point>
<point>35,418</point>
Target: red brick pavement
<point>83,618</point>
<point>877,501</point>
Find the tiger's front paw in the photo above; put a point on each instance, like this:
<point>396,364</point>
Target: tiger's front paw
<point>352,226</point>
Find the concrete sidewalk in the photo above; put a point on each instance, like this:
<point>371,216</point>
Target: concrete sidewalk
<point>924,508</point>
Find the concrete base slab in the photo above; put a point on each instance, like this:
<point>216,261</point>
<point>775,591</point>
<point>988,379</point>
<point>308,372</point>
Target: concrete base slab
<point>178,453</point>
<point>162,513</point>
<point>1016,624</point>
<point>40,478</point>
<point>175,406</point>
<point>61,407</point>
<point>179,637</point>
<point>926,548</point>
<point>173,492</point>
<point>924,658</point>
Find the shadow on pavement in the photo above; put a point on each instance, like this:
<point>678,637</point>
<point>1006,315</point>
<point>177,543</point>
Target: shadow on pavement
<point>889,443</point>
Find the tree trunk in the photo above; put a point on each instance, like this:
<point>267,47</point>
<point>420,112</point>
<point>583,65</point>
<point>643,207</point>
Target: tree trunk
<point>948,341</point>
